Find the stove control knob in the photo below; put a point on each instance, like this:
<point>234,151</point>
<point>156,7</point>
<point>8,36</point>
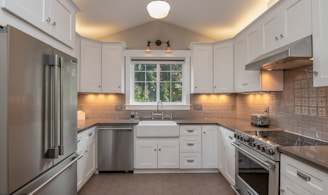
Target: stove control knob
<point>254,144</point>
<point>269,151</point>
<point>258,146</point>
<point>263,148</point>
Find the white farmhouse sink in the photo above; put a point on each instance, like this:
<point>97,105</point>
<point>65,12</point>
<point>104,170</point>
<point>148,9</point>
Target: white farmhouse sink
<point>157,128</point>
<point>157,123</point>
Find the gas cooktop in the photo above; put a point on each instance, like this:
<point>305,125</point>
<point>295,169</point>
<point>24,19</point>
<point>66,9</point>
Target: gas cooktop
<point>283,138</point>
<point>268,142</point>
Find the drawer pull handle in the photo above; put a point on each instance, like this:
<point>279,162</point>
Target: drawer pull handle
<point>90,134</point>
<point>190,161</point>
<point>190,130</point>
<point>190,144</point>
<point>303,176</point>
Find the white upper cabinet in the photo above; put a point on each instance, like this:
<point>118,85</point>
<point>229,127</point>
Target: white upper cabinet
<point>90,69</point>
<point>201,68</point>
<point>254,41</point>
<point>286,22</point>
<point>56,17</point>
<point>112,73</point>
<point>254,80</point>
<point>320,40</point>
<point>102,67</point>
<point>244,80</point>
<point>223,67</point>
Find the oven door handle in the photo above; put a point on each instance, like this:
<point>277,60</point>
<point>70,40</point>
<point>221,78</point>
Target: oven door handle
<point>266,164</point>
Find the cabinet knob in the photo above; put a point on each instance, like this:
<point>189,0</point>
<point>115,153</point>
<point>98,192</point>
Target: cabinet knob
<point>282,35</point>
<point>54,24</point>
<point>315,73</point>
<point>119,86</point>
<point>276,38</point>
<point>155,149</point>
<point>159,149</point>
<point>99,86</point>
<point>48,19</point>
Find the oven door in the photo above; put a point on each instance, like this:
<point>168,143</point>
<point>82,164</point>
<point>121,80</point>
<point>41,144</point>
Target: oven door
<point>255,173</point>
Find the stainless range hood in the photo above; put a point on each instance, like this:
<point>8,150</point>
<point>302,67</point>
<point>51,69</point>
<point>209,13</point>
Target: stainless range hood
<point>295,55</point>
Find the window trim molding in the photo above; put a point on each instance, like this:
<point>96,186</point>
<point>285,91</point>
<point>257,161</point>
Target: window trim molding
<point>158,55</point>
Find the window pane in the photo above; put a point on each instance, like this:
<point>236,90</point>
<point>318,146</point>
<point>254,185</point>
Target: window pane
<point>151,67</point>
<point>177,67</point>
<point>150,76</point>
<point>165,67</point>
<point>165,92</point>
<point>176,92</point>
<point>139,92</point>
<point>139,67</point>
<point>165,76</point>
<point>139,76</point>
<point>177,76</point>
<point>150,92</point>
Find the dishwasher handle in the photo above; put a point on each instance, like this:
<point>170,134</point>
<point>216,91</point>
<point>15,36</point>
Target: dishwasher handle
<point>115,128</point>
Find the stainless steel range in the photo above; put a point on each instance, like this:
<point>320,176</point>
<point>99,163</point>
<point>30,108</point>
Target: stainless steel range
<point>257,159</point>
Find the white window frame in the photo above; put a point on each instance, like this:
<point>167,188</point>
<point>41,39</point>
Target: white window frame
<point>157,55</point>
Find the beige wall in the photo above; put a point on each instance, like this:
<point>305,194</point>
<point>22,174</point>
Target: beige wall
<point>137,37</point>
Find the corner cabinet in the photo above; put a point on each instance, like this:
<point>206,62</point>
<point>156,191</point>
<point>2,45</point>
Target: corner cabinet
<point>201,67</point>
<point>299,178</point>
<point>102,66</point>
<point>320,39</point>
<point>223,80</point>
<point>56,17</point>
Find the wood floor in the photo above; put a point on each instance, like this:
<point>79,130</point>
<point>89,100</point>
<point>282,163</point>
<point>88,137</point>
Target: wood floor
<point>157,184</point>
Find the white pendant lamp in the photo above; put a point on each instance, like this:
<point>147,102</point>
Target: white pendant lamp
<point>158,9</point>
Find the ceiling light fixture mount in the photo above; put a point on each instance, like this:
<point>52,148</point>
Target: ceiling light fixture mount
<point>158,43</point>
<point>158,9</point>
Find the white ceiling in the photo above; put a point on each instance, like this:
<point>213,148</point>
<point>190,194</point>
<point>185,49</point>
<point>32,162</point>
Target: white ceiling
<point>216,19</point>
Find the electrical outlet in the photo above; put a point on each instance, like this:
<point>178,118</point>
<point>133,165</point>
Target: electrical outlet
<point>198,107</point>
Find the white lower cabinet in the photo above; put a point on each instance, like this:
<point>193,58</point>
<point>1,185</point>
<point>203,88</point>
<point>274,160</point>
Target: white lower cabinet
<point>299,178</point>
<point>190,147</point>
<point>157,153</point>
<point>226,154</point>
<point>209,147</point>
<point>86,166</point>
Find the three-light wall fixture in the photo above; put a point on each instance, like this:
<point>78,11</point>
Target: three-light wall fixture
<point>159,43</point>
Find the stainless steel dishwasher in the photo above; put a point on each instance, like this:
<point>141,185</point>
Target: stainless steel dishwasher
<point>115,148</point>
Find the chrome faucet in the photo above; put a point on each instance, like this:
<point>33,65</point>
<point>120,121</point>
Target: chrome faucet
<point>159,102</point>
<point>157,113</point>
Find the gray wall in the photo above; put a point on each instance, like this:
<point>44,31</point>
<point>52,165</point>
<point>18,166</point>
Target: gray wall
<point>137,37</point>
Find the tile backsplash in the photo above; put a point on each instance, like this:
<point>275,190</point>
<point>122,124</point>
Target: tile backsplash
<point>300,108</point>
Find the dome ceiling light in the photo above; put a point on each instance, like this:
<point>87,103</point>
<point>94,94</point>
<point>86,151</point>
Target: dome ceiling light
<point>158,9</point>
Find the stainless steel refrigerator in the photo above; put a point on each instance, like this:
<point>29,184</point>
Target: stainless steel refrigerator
<point>38,103</point>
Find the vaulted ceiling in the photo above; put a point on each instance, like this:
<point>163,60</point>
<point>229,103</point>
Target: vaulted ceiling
<point>217,19</point>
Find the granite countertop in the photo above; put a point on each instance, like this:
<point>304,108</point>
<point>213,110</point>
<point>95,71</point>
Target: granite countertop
<point>312,155</point>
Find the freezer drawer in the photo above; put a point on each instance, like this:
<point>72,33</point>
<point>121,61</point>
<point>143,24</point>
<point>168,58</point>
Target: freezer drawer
<point>115,148</point>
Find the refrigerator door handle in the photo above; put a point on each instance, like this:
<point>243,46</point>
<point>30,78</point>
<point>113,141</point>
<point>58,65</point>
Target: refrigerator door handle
<point>52,105</point>
<point>73,160</point>
<point>60,106</point>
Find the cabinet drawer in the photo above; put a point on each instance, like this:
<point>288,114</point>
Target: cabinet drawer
<point>88,136</point>
<point>190,161</point>
<point>304,175</point>
<point>190,144</point>
<point>190,130</point>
